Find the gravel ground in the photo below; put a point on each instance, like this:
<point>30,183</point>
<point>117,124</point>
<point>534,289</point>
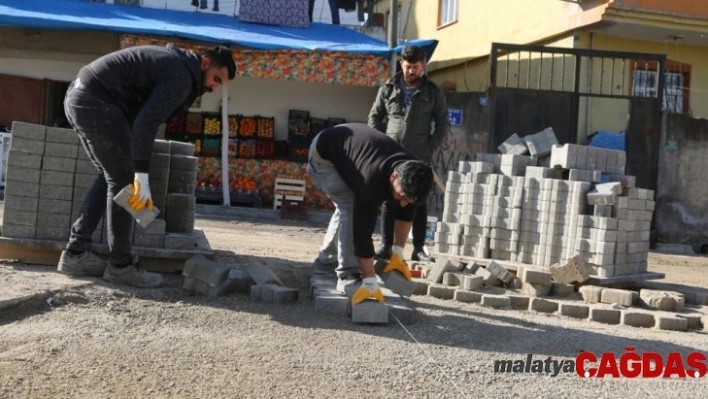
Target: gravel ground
<point>101,340</point>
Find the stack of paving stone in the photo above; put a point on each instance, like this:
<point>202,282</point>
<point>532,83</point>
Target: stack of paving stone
<point>504,207</point>
<point>49,175</point>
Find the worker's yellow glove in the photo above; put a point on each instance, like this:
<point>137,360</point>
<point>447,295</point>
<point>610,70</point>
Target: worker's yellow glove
<point>398,264</point>
<point>369,289</point>
<point>141,197</point>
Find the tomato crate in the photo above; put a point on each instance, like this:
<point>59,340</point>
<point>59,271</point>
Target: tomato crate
<point>176,125</point>
<point>247,127</point>
<point>266,128</point>
<point>265,149</point>
<point>194,124</point>
<point>298,153</point>
<point>298,123</point>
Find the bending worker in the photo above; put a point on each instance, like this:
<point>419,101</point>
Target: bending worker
<point>116,105</point>
<point>359,168</point>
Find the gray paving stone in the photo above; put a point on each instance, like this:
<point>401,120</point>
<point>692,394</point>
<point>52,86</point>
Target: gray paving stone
<point>496,301</point>
<point>22,160</point>
<point>467,296</point>
<point>578,311</point>
<point>23,204</point>
<point>61,150</point>
<point>519,302</point>
<point>591,293</point>
<point>637,318</point>
<point>28,131</point>
<point>331,304</point>
<point>211,272</point>
<point>535,290</point>
<point>441,291</point>
<point>369,312</point>
<point>622,297</point>
<point>543,305</point>
<point>19,144</point>
<point>671,323</point>
<point>604,315</point>
<point>18,231</point>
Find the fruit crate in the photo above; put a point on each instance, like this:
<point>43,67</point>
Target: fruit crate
<point>281,149</point>
<point>208,194</point>
<point>211,147</point>
<point>233,148</point>
<point>247,148</point>
<point>194,124</point>
<point>298,153</point>
<point>335,121</point>
<point>176,125</point>
<point>317,125</point>
<point>265,149</point>
<point>247,127</point>
<point>298,123</point>
<point>266,128</point>
<point>233,126</point>
<point>212,124</point>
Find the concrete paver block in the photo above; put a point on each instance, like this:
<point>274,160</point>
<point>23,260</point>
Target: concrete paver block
<point>240,280</point>
<point>499,272</point>
<point>662,300</point>
<point>452,279</point>
<point>441,291</point>
<point>622,297</point>
<point>694,320</point>
<point>514,145</point>
<point>369,312</point>
<point>206,270</point>
<point>543,305</point>
<point>23,175</point>
<point>472,282</point>
<point>605,315</point>
<point>519,302</point>
<point>671,323</point>
<point>421,287</point>
<point>29,131</point>
<point>576,311</point>
<point>52,233</point>
<point>467,296</point>
<point>535,290</point>
<point>442,266</point>
<point>18,231</point>
<point>489,279</point>
<point>62,150</point>
<point>562,290</point>
<point>60,135</point>
<point>637,318</point>
<point>23,160</point>
<point>23,204</point>
<point>591,293</point>
<point>496,301</point>
<point>536,277</point>
<point>331,304</point>
<point>260,273</point>
<point>22,145</point>
<point>397,283</point>
<point>201,287</point>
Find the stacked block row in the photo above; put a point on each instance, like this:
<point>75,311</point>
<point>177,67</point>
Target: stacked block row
<point>504,207</point>
<point>49,174</point>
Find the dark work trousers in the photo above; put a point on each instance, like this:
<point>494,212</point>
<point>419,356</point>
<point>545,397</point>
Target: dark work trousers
<point>104,133</point>
<point>420,223</point>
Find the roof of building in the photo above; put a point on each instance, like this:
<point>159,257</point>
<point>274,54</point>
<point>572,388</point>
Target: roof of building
<point>213,28</point>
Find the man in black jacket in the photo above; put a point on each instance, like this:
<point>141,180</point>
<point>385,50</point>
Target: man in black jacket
<point>359,168</point>
<point>116,105</point>
<point>409,102</point>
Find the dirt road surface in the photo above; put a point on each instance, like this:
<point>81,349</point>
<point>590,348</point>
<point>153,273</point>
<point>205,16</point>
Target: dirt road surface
<point>104,341</point>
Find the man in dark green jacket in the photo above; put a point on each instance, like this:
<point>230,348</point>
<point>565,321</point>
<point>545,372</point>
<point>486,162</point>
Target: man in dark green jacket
<point>410,103</point>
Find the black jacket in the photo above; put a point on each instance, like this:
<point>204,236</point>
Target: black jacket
<point>150,84</point>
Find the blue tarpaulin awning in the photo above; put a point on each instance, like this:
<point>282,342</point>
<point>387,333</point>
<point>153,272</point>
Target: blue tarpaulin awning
<point>213,28</point>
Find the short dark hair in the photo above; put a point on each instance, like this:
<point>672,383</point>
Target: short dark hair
<point>415,179</point>
<point>221,56</point>
<point>413,54</point>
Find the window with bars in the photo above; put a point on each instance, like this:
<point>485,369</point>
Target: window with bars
<point>447,12</point>
<point>676,86</point>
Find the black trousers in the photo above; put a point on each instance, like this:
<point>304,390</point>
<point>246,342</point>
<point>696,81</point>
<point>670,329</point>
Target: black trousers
<point>104,133</point>
<point>420,223</point>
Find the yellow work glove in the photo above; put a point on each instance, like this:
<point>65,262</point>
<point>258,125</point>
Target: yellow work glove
<point>369,289</point>
<point>398,264</point>
<point>141,197</point>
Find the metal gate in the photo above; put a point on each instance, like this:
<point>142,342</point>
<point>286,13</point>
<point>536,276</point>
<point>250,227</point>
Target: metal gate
<point>535,87</point>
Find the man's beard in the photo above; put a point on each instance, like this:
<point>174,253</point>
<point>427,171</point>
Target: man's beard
<point>411,79</point>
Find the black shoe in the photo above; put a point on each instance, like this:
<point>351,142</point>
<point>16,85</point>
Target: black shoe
<point>420,255</point>
<point>384,253</point>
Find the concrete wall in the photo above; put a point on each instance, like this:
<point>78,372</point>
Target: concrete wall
<point>463,142</point>
<point>479,23</point>
<point>682,196</point>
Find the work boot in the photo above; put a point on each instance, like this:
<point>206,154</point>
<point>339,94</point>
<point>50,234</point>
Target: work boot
<point>420,254</point>
<point>319,267</point>
<point>83,264</point>
<point>347,285</point>
<point>383,253</point>
<point>133,275</point>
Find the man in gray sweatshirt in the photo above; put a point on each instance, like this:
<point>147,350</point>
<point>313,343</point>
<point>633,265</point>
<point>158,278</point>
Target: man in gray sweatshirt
<point>116,105</point>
